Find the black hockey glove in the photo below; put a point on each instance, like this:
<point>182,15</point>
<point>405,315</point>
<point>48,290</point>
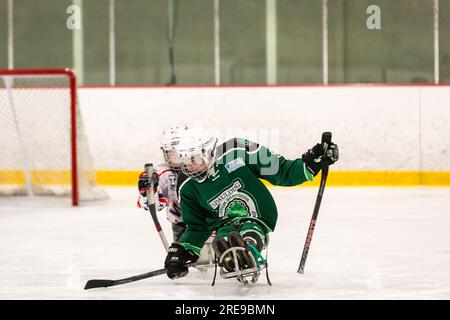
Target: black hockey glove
<point>176,261</point>
<point>320,153</point>
<point>145,182</point>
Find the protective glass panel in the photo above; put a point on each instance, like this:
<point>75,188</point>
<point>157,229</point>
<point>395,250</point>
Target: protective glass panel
<point>140,42</point>
<point>96,42</point>
<point>3,35</point>
<point>381,41</point>
<point>193,42</point>
<point>243,42</point>
<point>444,43</point>
<point>299,41</point>
<point>41,36</point>
<point>147,29</point>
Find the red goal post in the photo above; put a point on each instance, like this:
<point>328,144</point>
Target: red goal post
<point>40,110</point>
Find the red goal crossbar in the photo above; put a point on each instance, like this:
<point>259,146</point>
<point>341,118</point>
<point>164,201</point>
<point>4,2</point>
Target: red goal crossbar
<point>73,96</point>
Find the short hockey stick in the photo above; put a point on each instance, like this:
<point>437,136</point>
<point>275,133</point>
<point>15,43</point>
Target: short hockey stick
<point>326,138</point>
<point>151,206</point>
<point>102,283</point>
<point>98,283</point>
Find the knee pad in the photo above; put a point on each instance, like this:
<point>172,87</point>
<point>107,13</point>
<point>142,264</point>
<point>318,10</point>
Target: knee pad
<point>254,237</point>
<point>254,233</point>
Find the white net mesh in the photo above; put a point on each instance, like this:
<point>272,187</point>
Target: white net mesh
<point>35,139</point>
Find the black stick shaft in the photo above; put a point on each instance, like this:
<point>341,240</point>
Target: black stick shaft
<point>98,283</point>
<point>152,207</point>
<point>326,137</point>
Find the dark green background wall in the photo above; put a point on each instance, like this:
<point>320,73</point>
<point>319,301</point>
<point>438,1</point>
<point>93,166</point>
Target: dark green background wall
<point>3,35</point>
<point>402,51</point>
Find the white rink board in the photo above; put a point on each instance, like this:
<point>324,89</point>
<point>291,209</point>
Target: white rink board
<point>393,128</point>
<point>435,128</point>
<point>369,243</point>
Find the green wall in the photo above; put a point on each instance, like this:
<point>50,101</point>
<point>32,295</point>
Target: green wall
<point>41,38</point>
<point>299,40</point>
<point>401,51</point>
<point>444,42</point>
<point>3,35</point>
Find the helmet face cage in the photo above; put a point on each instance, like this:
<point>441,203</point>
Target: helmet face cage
<point>171,137</point>
<point>197,162</point>
<point>171,158</point>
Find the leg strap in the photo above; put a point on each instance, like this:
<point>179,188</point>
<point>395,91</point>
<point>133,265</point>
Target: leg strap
<point>258,256</point>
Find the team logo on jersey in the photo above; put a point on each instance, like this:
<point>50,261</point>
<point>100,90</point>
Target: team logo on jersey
<point>234,202</point>
<point>234,164</point>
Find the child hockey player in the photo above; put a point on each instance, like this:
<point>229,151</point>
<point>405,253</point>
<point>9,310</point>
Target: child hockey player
<point>165,182</point>
<point>223,193</point>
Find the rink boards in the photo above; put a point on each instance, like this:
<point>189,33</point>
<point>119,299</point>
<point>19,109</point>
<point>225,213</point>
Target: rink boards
<point>395,135</point>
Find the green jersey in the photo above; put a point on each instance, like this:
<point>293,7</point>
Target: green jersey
<point>233,191</point>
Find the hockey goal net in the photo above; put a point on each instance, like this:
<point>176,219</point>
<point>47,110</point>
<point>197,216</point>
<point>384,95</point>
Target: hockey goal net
<point>44,148</point>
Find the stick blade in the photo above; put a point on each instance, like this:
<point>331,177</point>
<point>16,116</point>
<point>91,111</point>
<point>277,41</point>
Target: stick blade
<point>98,284</point>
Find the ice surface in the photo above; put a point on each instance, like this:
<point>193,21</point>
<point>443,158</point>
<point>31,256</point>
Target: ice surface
<point>369,243</point>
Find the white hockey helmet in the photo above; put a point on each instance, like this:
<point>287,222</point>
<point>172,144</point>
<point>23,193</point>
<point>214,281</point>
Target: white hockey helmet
<point>197,153</point>
<point>170,138</point>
